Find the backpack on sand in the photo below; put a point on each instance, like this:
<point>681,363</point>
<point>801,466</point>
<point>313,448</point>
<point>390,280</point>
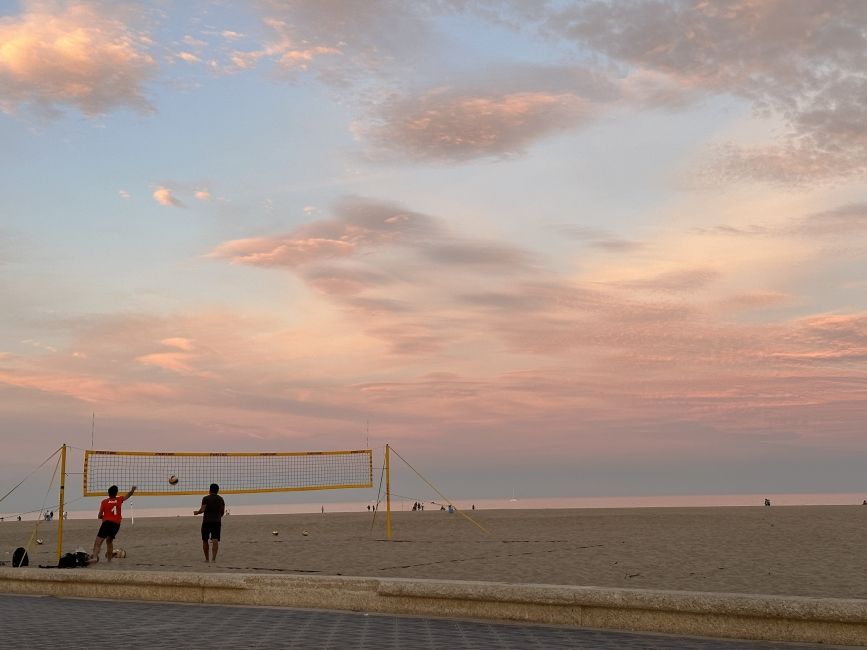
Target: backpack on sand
<point>72,560</point>
<point>19,557</point>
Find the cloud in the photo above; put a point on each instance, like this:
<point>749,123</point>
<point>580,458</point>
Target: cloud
<point>165,196</point>
<point>178,342</point>
<point>447,126</point>
<point>415,285</point>
<point>360,224</point>
<point>675,281</point>
<point>473,353</point>
<point>849,220</point>
<point>287,58</point>
<point>834,338</point>
<point>290,250</point>
<point>124,194</point>
<point>499,114</point>
<point>77,55</point>
<point>754,300</point>
<point>846,220</point>
<point>189,57</point>
<point>797,60</point>
<point>597,238</point>
<point>203,195</point>
<point>340,42</point>
<point>85,388</point>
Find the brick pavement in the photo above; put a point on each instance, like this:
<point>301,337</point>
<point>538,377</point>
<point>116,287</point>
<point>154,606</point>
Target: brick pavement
<point>38,623</point>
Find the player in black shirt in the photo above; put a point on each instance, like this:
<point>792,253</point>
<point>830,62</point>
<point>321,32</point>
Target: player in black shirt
<point>213,508</point>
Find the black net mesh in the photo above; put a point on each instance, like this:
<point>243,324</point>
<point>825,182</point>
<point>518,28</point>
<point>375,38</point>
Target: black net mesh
<point>163,473</point>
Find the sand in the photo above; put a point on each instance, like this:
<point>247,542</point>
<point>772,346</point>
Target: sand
<point>797,550</point>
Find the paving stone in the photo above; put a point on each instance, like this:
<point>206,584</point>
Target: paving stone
<point>42,623</point>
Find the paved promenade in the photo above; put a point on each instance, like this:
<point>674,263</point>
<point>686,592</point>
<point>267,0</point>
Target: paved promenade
<point>38,623</point>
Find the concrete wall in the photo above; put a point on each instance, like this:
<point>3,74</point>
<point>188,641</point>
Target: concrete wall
<point>777,618</point>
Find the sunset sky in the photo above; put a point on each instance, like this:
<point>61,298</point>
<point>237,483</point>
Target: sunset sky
<point>568,248</point>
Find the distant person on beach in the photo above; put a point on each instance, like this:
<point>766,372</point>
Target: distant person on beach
<point>213,508</point>
<point>110,513</point>
<point>767,502</point>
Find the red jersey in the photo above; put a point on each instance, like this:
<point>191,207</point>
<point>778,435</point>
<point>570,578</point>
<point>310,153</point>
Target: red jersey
<point>110,509</point>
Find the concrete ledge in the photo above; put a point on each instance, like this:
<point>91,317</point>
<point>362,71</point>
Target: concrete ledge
<point>745,616</point>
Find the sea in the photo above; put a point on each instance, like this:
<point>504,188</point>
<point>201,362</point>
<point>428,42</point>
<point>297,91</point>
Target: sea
<point>138,507</point>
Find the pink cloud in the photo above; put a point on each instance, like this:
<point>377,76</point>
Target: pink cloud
<point>339,42</point>
<point>360,224</point>
<point>189,57</point>
<point>166,196</point>
<point>676,281</point>
<point>817,87</point>
<point>75,55</point>
<point>84,388</point>
<point>283,251</point>
<point>755,300</point>
<point>178,342</point>
<point>448,126</point>
<point>438,335</point>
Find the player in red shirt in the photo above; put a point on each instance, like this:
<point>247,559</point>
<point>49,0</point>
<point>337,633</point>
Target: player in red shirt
<point>110,513</point>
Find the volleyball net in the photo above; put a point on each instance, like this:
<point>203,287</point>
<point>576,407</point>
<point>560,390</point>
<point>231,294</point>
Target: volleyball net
<point>185,473</point>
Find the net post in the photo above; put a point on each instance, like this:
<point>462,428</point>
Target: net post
<point>61,506</point>
<point>387,495</point>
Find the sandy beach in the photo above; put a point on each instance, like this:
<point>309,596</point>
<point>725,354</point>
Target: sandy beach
<point>798,550</point>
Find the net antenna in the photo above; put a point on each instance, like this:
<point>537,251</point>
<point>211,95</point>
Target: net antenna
<point>184,473</point>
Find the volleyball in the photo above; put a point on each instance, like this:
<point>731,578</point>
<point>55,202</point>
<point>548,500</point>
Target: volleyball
<point>118,552</point>
<point>173,480</point>
<point>305,533</point>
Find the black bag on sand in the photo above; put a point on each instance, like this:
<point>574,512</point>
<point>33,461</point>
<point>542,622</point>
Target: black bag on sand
<point>19,557</point>
<point>72,560</point>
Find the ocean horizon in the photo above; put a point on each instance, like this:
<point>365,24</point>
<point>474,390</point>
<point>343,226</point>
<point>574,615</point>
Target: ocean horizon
<point>515,503</point>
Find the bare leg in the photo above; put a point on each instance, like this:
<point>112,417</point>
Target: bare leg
<point>109,548</point>
<point>205,550</point>
<point>215,546</point>
<point>97,544</point>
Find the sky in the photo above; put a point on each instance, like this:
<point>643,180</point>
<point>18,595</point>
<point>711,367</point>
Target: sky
<point>564,248</point>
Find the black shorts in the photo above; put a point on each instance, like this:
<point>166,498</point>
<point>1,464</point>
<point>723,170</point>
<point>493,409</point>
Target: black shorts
<point>211,529</point>
<point>108,529</point>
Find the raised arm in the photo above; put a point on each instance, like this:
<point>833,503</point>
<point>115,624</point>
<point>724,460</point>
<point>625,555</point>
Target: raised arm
<point>131,491</point>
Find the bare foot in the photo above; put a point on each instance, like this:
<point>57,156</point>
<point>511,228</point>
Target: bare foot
<point>94,558</point>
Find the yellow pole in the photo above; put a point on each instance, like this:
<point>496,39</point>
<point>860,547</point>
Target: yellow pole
<point>60,514</point>
<point>387,496</point>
